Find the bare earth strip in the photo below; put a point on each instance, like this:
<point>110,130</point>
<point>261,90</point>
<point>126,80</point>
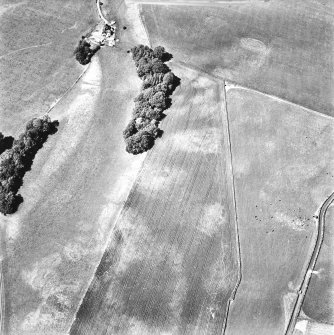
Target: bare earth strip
<point>282,167</point>
<point>171,264</point>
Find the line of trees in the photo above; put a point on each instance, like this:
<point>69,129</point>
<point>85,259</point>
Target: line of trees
<point>158,84</point>
<point>17,160</point>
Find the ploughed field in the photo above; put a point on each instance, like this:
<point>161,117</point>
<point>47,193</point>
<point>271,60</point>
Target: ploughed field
<point>36,55</point>
<point>279,47</point>
<point>283,170</point>
<point>171,263</point>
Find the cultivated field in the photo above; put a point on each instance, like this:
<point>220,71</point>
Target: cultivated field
<point>283,171</point>
<point>171,263</point>
<point>36,55</point>
<point>279,47</point>
<point>150,242</point>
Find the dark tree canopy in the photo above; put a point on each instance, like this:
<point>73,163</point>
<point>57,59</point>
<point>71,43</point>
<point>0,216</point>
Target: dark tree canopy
<point>83,52</point>
<point>158,84</point>
<point>17,160</point>
<point>6,142</point>
<point>139,142</point>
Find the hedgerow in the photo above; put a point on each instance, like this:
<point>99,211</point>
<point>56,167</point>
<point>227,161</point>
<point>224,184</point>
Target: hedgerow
<point>17,160</point>
<point>158,84</point>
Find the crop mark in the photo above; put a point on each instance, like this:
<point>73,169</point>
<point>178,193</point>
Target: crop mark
<point>232,297</point>
<point>306,280</point>
<point>26,48</point>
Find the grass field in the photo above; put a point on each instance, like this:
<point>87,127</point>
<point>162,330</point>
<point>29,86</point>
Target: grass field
<point>279,47</point>
<point>283,172</point>
<point>171,263</point>
<point>78,184</point>
<point>318,301</point>
<point>36,55</point>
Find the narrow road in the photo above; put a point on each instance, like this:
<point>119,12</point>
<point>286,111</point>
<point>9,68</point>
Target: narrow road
<point>303,288</point>
<point>98,5</point>
<point>226,124</point>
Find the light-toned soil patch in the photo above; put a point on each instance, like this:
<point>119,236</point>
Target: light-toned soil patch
<point>287,176</point>
<point>171,264</point>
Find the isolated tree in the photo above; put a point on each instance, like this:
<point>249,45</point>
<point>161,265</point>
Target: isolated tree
<point>83,52</point>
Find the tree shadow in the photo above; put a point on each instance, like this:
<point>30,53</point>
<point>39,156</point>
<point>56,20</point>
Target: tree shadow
<point>166,57</point>
<point>6,143</point>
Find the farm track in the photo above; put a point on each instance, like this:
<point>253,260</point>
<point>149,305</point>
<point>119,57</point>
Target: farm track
<point>67,91</point>
<point>307,277</point>
<point>100,12</point>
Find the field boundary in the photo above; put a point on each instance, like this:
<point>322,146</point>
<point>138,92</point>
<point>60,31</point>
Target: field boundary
<point>310,266</point>
<point>121,209</point>
<point>194,3</point>
<point>231,84</point>
<point>234,84</point>
<point>226,126</point>
<point>105,247</point>
<point>142,21</point>
<point>53,105</point>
